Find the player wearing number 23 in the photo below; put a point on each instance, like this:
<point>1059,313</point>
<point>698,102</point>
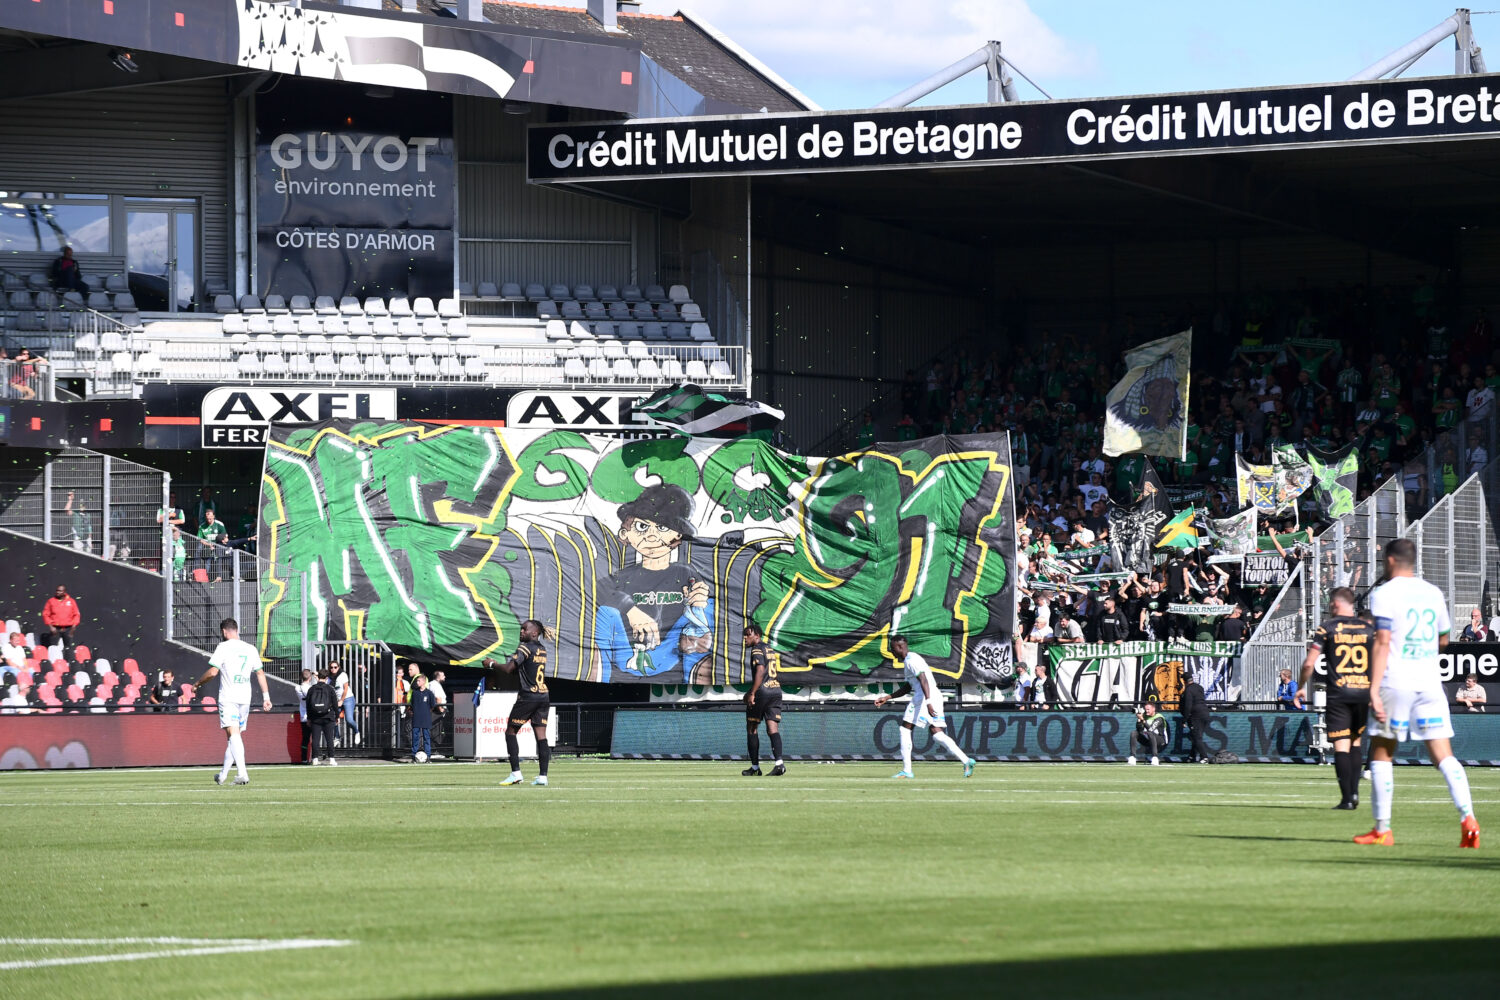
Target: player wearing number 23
<point>1406,690</point>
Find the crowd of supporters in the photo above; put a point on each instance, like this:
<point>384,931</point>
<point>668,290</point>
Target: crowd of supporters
<point>1390,372</point>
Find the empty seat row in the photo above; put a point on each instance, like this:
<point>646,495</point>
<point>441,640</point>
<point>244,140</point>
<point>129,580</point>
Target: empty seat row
<point>512,291</point>
<point>559,330</point>
<point>38,282</point>
<point>46,299</point>
<point>397,308</point>
<point>642,312</point>
<point>307,325</point>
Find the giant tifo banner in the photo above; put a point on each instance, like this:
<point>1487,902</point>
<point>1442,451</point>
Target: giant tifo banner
<point>645,558</point>
<point>354,194</point>
<point>1095,673</point>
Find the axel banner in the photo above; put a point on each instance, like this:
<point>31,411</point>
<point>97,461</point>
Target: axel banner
<point>645,558</point>
<point>1096,673</point>
<point>354,194</point>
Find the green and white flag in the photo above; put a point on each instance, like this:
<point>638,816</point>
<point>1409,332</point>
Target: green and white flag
<point>1234,535</point>
<point>1147,409</point>
<point>689,409</point>
<point>1336,476</point>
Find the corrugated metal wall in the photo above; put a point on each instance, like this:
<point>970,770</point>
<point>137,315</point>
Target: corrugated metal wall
<point>513,231</point>
<point>128,142</point>
<point>833,336</point>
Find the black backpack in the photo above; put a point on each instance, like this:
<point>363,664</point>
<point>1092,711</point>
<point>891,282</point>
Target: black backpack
<point>320,700</point>
<point>1225,757</point>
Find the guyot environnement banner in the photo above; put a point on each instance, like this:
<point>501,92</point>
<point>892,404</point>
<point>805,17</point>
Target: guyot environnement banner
<point>645,558</point>
<point>354,193</point>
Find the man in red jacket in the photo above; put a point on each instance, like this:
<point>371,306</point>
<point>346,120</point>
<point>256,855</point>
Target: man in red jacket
<point>61,616</point>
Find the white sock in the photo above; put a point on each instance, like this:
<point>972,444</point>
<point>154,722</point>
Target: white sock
<point>778,762</point>
<point>946,742</point>
<point>237,747</point>
<point>905,749</point>
<point>515,774</point>
<point>228,760</point>
<point>1382,788</point>
<point>1458,786</point>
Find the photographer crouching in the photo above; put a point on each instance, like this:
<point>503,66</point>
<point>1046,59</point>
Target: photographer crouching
<point>1150,733</point>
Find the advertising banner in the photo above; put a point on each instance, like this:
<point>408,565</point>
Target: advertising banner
<point>865,734</point>
<point>1095,673</point>
<point>28,742</point>
<point>1367,111</point>
<point>645,558</point>
<point>354,194</point>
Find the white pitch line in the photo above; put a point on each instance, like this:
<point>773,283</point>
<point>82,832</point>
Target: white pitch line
<point>236,946</point>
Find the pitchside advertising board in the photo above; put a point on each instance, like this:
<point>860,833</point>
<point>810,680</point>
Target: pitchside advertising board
<point>183,417</point>
<point>1273,118</point>
<point>354,193</point>
<point>862,734</point>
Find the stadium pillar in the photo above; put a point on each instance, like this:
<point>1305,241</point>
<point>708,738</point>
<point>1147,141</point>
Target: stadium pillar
<point>166,553</point>
<point>47,501</point>
<point>234,583</point>
<point>104,512</point>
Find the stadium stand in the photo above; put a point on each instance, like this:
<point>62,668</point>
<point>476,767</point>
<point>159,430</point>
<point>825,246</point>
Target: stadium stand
<point>661,336</point>
<point>50,681</point>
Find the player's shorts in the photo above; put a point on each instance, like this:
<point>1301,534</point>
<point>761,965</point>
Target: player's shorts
<point>1420,715</point>
<point>924,712</point>
<point>765,708</point>
<point>234,715</point>
<point>1346,719</point>
<point>531,708</point>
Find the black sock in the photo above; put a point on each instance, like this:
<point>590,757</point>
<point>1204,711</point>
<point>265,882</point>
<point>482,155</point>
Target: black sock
<point>752,741</point>
<point>543,755</point>
<point>1343,764</point>
<point>513,747</point>
<point>776,745</point>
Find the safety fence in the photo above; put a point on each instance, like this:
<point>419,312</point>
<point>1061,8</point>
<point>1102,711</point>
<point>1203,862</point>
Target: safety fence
<point>1279,641</point>
<point>1456,548</point>
<point>1348,553</point>
<point>26,379</point>
<point>94,503</point>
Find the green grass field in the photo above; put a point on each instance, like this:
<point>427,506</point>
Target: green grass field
<point>686,880</point>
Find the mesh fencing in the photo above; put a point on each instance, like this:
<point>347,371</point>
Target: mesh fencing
<point>1279,641</point>
<point>1456,548</point>
<point>211,582</point>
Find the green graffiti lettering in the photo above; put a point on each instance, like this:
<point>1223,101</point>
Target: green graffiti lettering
<point>617,477</point>
<point>544,457</point>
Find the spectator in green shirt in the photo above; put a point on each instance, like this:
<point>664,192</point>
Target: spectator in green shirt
<point>1187,467</point>
<point>81,525</point>
<point>211,534</point>
<point>866,436</point>
<point>172,514</point>
<point>1445,409</point>
<point>179,555</point>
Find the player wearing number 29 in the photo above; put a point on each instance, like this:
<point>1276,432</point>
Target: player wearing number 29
<point>1345,642</point>
<point>926,708</point>
<point>529,664</point>
<point>1406,691</point>
<point>233,661</point>
<point>762,701</point>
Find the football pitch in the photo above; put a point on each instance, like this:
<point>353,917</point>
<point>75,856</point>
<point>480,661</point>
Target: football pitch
<point>674,880</point>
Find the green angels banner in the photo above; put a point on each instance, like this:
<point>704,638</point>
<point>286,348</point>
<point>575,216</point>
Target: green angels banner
<point>644,558</point>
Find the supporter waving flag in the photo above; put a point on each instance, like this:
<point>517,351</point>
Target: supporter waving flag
<point>1148,408</point>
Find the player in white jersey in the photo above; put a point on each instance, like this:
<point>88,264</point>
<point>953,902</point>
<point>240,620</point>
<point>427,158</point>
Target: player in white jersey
<point>1406,690</point>
<point>926,708</point>
<point>233,661</point>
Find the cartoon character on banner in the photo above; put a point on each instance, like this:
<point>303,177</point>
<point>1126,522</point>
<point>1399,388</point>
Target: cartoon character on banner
<point>1161,682</point>
<point>656,615</point>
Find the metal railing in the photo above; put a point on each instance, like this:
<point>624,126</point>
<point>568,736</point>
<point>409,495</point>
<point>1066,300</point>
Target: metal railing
<point>26,379</point>
<point>1348,553</point>
<point>1279,641</point>
<point>209,582</point>
<point>1456,548</point>
<point>94,503</point>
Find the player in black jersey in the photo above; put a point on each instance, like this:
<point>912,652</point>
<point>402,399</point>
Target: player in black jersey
<point>762,701</point>
<point>529,664</point>
<point>1347,644</point>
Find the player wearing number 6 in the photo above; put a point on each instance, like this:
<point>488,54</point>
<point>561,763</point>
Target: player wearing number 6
<point>1406,691</point>
<point>529,664</point>
<point>1345,642</point>
<point>926,708</point>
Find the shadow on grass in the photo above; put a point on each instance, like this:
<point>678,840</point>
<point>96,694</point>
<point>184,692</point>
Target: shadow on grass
<point>1436,967</point>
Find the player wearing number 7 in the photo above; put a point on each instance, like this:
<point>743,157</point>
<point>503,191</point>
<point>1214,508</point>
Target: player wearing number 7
<point>926,708</point>
<point>1406,691</point>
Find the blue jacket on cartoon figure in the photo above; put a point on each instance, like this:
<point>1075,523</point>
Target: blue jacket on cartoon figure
<point>656,616</point>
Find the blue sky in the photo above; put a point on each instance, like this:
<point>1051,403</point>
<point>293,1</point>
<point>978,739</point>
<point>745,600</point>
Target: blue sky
<point>855,53</point>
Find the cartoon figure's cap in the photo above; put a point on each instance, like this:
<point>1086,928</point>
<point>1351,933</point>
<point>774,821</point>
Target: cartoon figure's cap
<point>666,505</point>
